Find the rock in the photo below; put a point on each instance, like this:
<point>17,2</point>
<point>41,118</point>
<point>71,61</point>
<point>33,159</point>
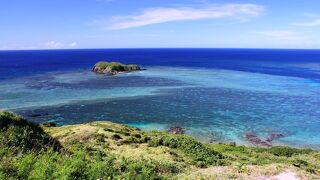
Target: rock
<point>212,137</point>
<point>113,68</point>
<point>274,136</point>
<point>37,115</point>
<point>212,141</point>
<point>176,130</point>
<point>255,140</point>
<point>49,124</point>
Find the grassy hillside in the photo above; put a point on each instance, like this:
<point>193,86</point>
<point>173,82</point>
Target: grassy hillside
<point>108,150</point>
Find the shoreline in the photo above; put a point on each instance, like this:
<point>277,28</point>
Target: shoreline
<point>220,109</point>
<point>106,149</point>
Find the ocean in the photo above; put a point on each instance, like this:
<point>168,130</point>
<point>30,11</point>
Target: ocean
<point>216,95</point>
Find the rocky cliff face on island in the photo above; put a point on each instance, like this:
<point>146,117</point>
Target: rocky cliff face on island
<point>113,68</point>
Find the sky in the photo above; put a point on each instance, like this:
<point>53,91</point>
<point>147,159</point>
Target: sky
<point>77,24</point>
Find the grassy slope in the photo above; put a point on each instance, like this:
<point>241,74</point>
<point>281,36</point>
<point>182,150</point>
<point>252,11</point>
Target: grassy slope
<point>105,149</point>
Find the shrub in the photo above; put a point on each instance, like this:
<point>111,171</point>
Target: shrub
<point>197,151</point>
<point>19,134</point>
<point>8,171</point>
<point>76,167</point>
<point>300,163</point>
<point>49,124</point>
<point>171,142</point>
<point>116,137</point>
<point>100,137</point>
<point>155,142</point>
<point>103,169</point>
<point>138,170</point>
<point>145,139</point>
<point>108,129</point>
<point>124,132</point>
<point>136,135</point>
<point>45,167</point>
<point>287,151</point>
<point>130,140</point>
<point>25,165</point>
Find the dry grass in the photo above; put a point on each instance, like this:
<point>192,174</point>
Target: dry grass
<point>268,172</point>
<point>101,135</point>
<point>87,133</point>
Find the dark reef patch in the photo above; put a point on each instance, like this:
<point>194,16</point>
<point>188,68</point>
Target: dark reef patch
<point>102,82</point>
<point>202,111</point>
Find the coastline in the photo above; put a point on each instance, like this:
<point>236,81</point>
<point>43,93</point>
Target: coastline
<point>219,92</point>
<point>104,149</point>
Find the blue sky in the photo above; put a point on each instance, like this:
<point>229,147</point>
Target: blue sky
<point>67,24</point>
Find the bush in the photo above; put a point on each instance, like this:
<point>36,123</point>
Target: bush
<point>103,169</point>
<point>171,142</point>
<point>18,134</point>
<point>138,169</point>
<point>25,165</point>
<point>197,151</point>
<point>76,167</point>
<point>155,142</point>
<point>100,138</point>
<point>45,167</point>
<point>287,151</point>
<point>49,124</point>
<point>145,139</point>
<point>136,135</point>
<point>108,129</point>
<point>8,171</point>
<point>125,133</point>
<point>130,140</point>
<point>116,137</point>
<point>300,163</point>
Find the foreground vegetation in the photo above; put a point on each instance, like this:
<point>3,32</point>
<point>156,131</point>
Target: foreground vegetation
<point>105,150</point>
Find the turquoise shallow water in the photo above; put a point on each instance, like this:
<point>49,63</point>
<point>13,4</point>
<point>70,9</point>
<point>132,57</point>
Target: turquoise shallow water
<point>214,105</point>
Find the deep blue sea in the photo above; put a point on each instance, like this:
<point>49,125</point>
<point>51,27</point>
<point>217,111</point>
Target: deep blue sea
<point>216,95</point>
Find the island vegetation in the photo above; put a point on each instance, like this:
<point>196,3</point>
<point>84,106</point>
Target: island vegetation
<point>105,150</point>
<point>113,68</point>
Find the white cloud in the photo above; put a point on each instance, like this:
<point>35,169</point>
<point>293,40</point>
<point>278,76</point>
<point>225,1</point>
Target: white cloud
<point>313,23</point>
<point>58,45</point>
<point>282,35</point>
<point>73,44</point>
<point>39,45</point>
<point>163,15</point>
<point>53,45</point>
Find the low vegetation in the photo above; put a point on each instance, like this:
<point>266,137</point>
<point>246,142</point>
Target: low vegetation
<point>18,135</point>
<point>114,67</point>
<point>105,150</point>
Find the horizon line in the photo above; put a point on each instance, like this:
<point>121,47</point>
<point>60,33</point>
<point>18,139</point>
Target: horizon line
<point>128,48</point>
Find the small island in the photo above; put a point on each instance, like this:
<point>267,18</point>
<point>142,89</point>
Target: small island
<point>113,68</point>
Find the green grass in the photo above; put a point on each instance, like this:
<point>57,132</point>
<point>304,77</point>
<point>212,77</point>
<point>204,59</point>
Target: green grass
<point>111,151</point>
<point>305,159</point>
<point>200,153</point>
<point>116,66</point>
<point>20,135</point>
